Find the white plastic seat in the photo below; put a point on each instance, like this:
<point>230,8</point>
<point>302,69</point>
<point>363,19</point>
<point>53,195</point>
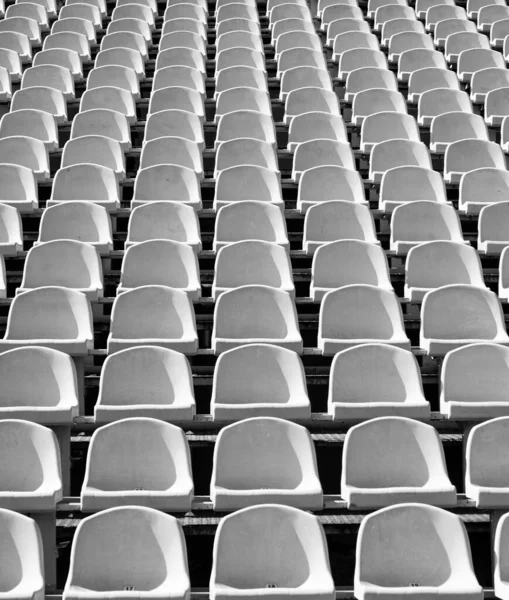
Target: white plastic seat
<point>486,472</point>
<point>177,98</point>
<point>76,25</point>
<point>246,124</point>
<point>283,547</point>
<point>374,4</point>
<point>388,12</point>
<point>274,384</point>
<point>31,11</point>
<point>237,24</point>
<point>299,77</point>
<point>41,98</point>
<point>359,58</point>
<point>11,231</point>
<point>458,42</point>
<point>142,12</point>
<point>10,60</point>
<point>110,98</point>
<point>409,184</point>
<point>422,6</point>
<point>242,98</point>
<point>504,134</point>
<point>309,99</point>
<point>164,221</point>
<point>397,153</point>
<point>316,125</point>
<point>428,79</point>
<point>348,262</point>
<point>470,61</point>
<point>61,57</point>
<point>439,101</point>
<point>337,220</point>
<point>145,381</point>
<point>138,462</point>
<point>344,25</point>
<point>82,11</point>
<point>240,57</point>
<point>288,10</point>
<point>473,387</point>
<point>64,263</point>
<point>499,30</point>
<point>175,123</point>
<point>319,153</point>
<point>23,25</point>
<point>367,78</point>
<point>116,76</point>
<point>423,546</point>
<point>154,315</point>
<point>233,77</point>
<point>408,40</point>
<point>105,122</point>
<point>179,76</point>
<point>184,24</point>
<point>19,185</point>
<point>503,285</point>
<point>464,155</point>
<point>325,183</point>
<point>360,314</point>
<point>181,10</point>
<point>81,221</point>
<point>151,4</point>
<point>239,39</point>
<point>53,76</point>
<point>300,57</point>
<point>25,152</point>
<point>419,58</point>
<point>264,460</point>
<point>132,25</point>
<point>489,14</point>
<point>480,187</point>
<point>77,42</point>
<point>436,14</point>
<point>474,6</point>
<point>87,183</point>
<point>496,106</point>
<point>447,321</point>
<point>166,182</point>
<point>38,385</point>
<point>376,380</point>
<point>486,80</point>
<point>252,262</point>
<point>340,11</point>
<point>247,182</point>
<point>372,101</point>
<point>286,25</point>
<point>155,564</point>
<point>493,222</point>
<point>236,10</point>
<point>100,4</point>
<point>384,126</point>
<point>49,5</point>
<point>392,459</point>
<point>395,26</point>
<point>450,25</point>
<point>454,126</point>
<point>125,39</point>
<point>250,220</point>
<point>459,264</point>
<point>183,39</point>
<point>33,123</point>
<point>172,151</point>
<point>353,40</point>
<point>17,42</point>
<point>125,57</point>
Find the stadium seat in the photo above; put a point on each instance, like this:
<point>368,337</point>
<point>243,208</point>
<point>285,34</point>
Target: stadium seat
<point>125,39</point>
<point>246,182</point>
<point>422,6</point>
<point>252,262</point>
<point>52,76</point>
<point>374,4</point>
<point>110,98</point>
<point>504,134</point>
<point>164,221</point>
<point>360,314</point>
<point>321,184</point>
<point>337,220</point>
<point>179,76</point>
<point>340,11</point>
<point>38,385</point>
<point>436,14</point>
<point>125,57</point>
<point>408,40</point>
<point>391,460</point>
<point>132,25</point>
<point>31,11</point>
<point>498,32</point>
<point>19,187</point>
<point>265,460</point>
<point>396,26</point>
<point>503,280</point>
<point>459,264</point>
<point>10,60</point>
<point>242,99</point>
<point>69,40</point>
<point>316,125</point>
<point>161,262</point>
<point>480,187</point>
<point>32,123</point>
<point>17,42</point>
<point>5,85</point>
<point>447,321</point>
<point>95,149</point>
<point>397,153</point>
<point>240,57</point>
<point>175,123</point>
<point>500,560</point>
<point>465,155</point>
<point>41,98</point>
<point>414,545</point>
<point>152,563</point>
<point>439,101</point>
<point>445,28</point>
<point>25,152</point>
<point>172,151</point>
<point>155,315</point>
<point>239,39</point>
<point>285,11</point>
<point>493,222</point>
<point>49,5</point>
<point>455,126</point>
<point>24,26</point>
<point>236,10</point>
<point>100,4</point>
<point>80,221</point>
<point>388,12</point>
<point>373,101</point>
<point>138,462</point>
<point>60,57</point>
<point>183,39</point>
<point>23,574</point>
<point>384,126</point>
<point>321,152</point>
<point>284,547</point>
<point>87,183</point>
<point>429,79</point>
<point>150,3</point>
<point>300,57</point>
<point>358,59</point>
<point>474,6</point>
<point>250,220</point>
<point>145,381</point>
<point>409,184</point>
<point>353,40</point>
<point>114,75</point>
<point>30,464</point>
<point>376,380</point>
<point>411,61</point>
<point>183,24</point>
<point>470,61</point>
<point>298,77</point>
<point>245,124</point>
<point>76,25</point>
<point>183,10</point>
<point>323,4</point>
<point>348,262</point>
<point>237,24</point>
<point>367,78</point>
<point>177,98</point>
<point>165,182</point>
<point>240,76</point>
<point>486,80</point>
<point>82,11</point>
<point>284,26</point>
<point>104,122</point>
<point>309,99</point>
<point>496,106</point>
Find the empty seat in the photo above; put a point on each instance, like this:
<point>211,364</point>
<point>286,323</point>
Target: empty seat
<point>24,26</point>
<point>316,125</point>
<point>439,101</point>
<point>175,123</point>
<point>409,184</point>
<point>500,565</point>
<point>359,58</point>
<point>235,10</point>
<point>447,321</point>
<point>390,460</point>
<point>154,564</point>
<point>408,40</point>
<point>181,10</point>
<point>17,42</point>
<point>247,182</point>
<point>95,149</point>
<point>367,78</point>
<point>114,75</point>
<point>19,187</point>
<point>5,85</point>
<point>322,152</point>
<point>309,99</point>
<point>470,61</point>
<point>413,545</point>
<point>161,262</point>
<point>41,98</point>
<point>474,6</point>
<point>125,57</point>
<point>465,155</point>
<point>429,79</point>
<point>81,221</point>
<point>10,60</point>
<point>374,4</point>
<point>165,182</point>
<point>337,220</point>
<point>486,469</point>
<point>245,124</point>
<point>376,380</point>
<point>252,262</point>
<point>340,11</point>
<point>138,461</point>
<point>503,281</point>
<point>172,151</point>
<point>352,40</point>
<point>499,30</point>
<point>179,76</point>
<point>25,152</point>
<point>31,11</point>
<point>485,80</point>
<point>69,40</point>
<point>300,57</point>
<point>493,223</point>
<point>397,153</point>
<point>177,98</point>
<point>450,25</point>
<point>504,134</point>
<point>299,77</point>
<point>61,57</point>
<point>165,221</point>
<point>458,264</point>
<point>436,14</point>
<point>109,98</point>
<point>285,11</point>
<point>125,39</point>
<point>391,11</point>
<point>240,57</point>
<point>321,184</point>
<point>360,314</point>
<point>30,463</point>
<point>496,106</point>
<point>49,5</point>
<point>480,187</point>
<point>239,39</point>
<point>250,220</point>
<point>242,98</point>
<point>52,76</point>
<point>82,11</point>
<point>104,122</point>
<point>419,58</point>
<point>184,24</point>
<point>347,262</point>
<point>453,126</point>
<point>180,57</point>
<point>240,76</point>
<point>265,460</point>
<point>100,4</point>
<point>384,126</point>
<point>395,26</point>
<point>32,123</point>
<point>132,25</point>
<point>372,101</point>
<point>284,26</point>
<point>76,25</point>
<point>154,315</point>
<point>237,24</point>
